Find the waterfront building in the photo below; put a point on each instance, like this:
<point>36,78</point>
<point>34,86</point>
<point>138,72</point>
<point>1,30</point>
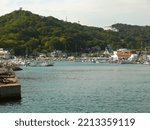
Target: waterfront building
<point>124,53</point>
<point>4,54</point>
<point>114,57</point>
<point>58,53</point>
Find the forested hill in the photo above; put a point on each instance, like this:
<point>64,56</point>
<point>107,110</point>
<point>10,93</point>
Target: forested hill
<point>22,31</point>
<point>135,37</point>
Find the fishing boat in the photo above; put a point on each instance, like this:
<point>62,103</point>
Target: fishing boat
<point>41,61</point>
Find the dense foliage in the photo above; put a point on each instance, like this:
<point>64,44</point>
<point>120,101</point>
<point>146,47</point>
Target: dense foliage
<point>133,36</point>
<point>22,32</point>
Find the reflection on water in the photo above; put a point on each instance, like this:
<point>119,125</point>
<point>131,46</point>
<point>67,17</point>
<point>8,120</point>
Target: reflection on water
<point>83,87</point>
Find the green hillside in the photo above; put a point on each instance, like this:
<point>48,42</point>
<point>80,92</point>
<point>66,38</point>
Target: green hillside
<point>24,32</point>
<point>133,36</point>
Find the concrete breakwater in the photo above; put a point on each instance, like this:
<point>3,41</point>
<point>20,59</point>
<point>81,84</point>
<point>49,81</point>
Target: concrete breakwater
<point>10,89</point>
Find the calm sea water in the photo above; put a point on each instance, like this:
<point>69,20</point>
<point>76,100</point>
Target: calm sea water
<point>83,87</point>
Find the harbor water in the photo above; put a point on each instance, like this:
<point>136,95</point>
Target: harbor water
<point>77,87</point>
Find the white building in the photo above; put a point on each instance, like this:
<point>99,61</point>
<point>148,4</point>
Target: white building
<point>111,28</point>
<point>114,57</point>
<point>4,54</point>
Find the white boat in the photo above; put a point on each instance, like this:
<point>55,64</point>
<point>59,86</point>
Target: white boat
<point>131,60</point>
<point>41,63</point>
<point>100,60</point>
<point>146,63</point>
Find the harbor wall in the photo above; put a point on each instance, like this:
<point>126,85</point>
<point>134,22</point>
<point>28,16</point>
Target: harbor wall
<point>10,92</point>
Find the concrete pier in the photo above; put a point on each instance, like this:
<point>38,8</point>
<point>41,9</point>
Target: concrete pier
<point>10,92</point>
<point>10,89</point>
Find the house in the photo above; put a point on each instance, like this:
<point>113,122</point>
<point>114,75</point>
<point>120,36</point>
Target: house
<point>4,54</point>
<point>124,53</point>
<point>148,50</point>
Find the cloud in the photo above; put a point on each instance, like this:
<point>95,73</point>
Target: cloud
<point>89,12</point>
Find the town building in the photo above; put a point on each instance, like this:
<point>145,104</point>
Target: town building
<point>124,53</point>
<point>4,54</point>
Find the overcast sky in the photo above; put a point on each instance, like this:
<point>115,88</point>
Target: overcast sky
<point>98,13</point>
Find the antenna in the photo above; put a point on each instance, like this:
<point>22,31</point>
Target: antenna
<point>20,8</point>
<point>66,19</point>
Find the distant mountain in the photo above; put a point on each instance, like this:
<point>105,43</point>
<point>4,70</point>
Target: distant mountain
<point>24,32</point>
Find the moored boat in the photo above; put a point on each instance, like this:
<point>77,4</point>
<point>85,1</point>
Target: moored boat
<point>41,63</point>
